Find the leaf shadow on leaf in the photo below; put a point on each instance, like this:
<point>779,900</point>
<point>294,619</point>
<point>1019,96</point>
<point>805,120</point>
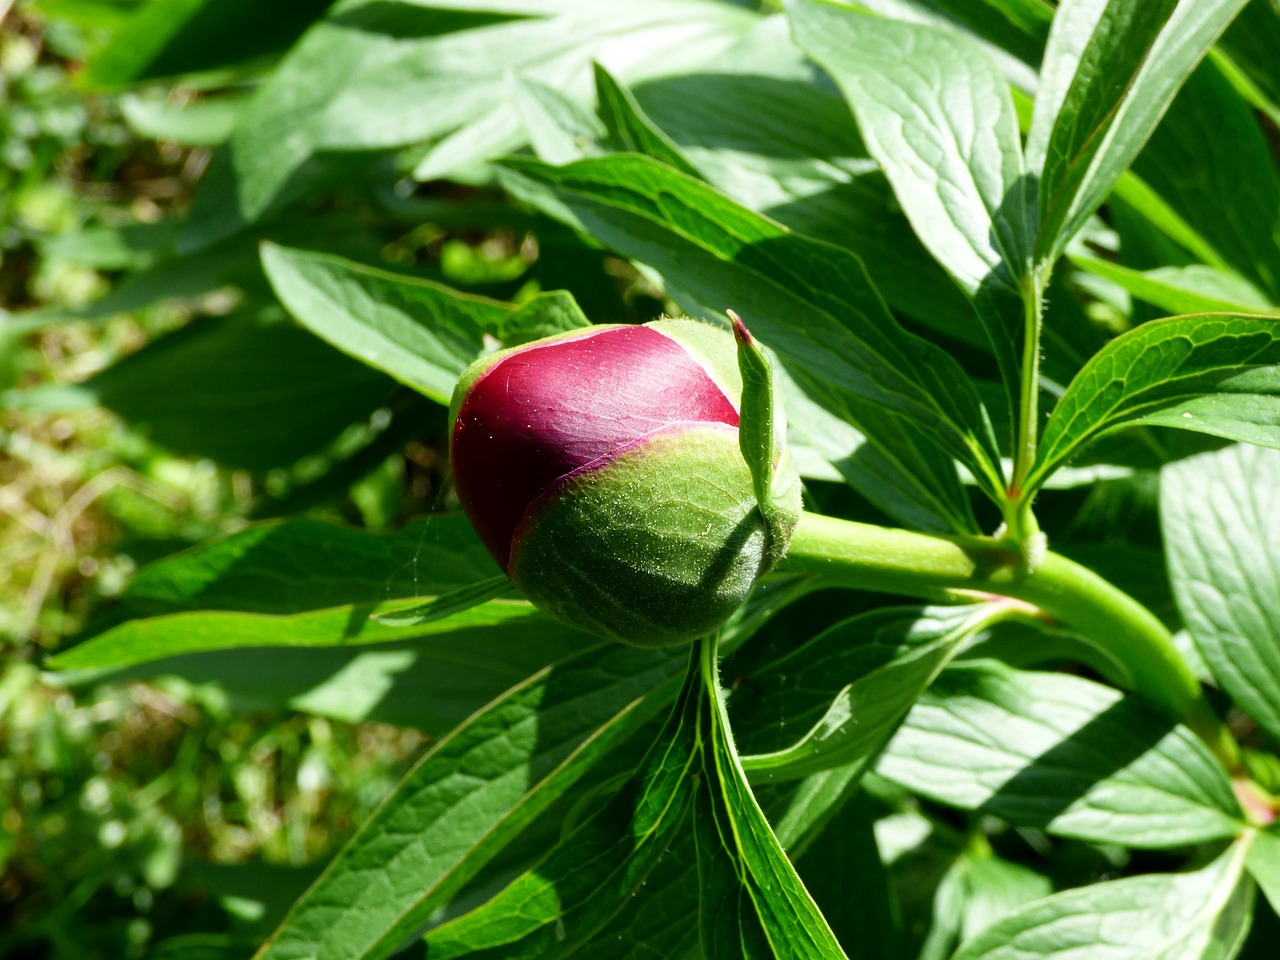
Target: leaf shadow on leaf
<point>405,22</point>
<point>1049,784</point>
<point>737,89</point>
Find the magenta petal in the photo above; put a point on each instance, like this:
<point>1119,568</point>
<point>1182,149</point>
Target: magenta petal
<point>545,411</point>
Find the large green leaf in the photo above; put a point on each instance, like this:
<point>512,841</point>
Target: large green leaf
<point>421,333</point>
<point>1213,373</point>
<point>938,116</point>
<point>249,394</point>
<point>1110,71</point>
<point>837,699</point>
<point>586,879</point>
<point>1222,536</point>
<point>307,584</point>
<point>1062,754</point>
<point>474,792</point>
<point>300,565</point>
<point>382,74</point>
<point>1201,915</point>
<point>751,902</point>
<point>139,641</point>
<point>811,302</point>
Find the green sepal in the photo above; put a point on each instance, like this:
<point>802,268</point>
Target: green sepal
<point>755,410</point>
<point>658,547</point>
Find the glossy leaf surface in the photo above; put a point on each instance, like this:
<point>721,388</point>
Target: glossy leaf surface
<point>1062,754</point>
<point>1215,373</point>
<point>1221,517</point>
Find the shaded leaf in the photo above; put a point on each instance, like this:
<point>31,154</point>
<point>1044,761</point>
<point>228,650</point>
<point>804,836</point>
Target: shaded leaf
<point>1062,754</point>
<point>475,791</point>
<point>592,873</point>
<point>837,699</point>
<point>248,394</point>
<point>1210,161</point>
<point>190,36</point>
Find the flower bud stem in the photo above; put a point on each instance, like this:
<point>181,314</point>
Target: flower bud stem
<point>842,553</point>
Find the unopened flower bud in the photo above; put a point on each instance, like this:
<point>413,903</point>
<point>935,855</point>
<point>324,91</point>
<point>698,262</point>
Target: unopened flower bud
<point>602,468</point>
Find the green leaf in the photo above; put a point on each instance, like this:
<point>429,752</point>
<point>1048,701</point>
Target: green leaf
<point>1250,42</point>
<point>249,394</point>
<point>846,691</point>
<point>359,80</point>
<point>979,889</point>
<point>630,130</point>
<point>301,565</point>
<point>939,118</point>
<point>1061,754</point>
<point>545,315</point>
<point>757,417</point>
<point>308,584</point>
<point>472,794</point>
<point>1264,865</point>
<point>1201,915</point>
<point>422,333</point>
<point>1210,161</point>
<point>811,302</point>
<point>139,641</point>
<point>448,604</point>
<point>590,875</point>
<point>842,867</point>
<point>204,123</point>
<point>1110,71</point>
<point>191,36</point>
<point>1222,537</point>
<point>560,130</point>
<point>751,902</point>
<point>1213,373</point>
<point>1192,289</point>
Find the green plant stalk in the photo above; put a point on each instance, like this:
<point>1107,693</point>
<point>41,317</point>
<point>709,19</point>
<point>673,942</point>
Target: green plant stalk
<point>842,553</point>
<point>1019,520</point>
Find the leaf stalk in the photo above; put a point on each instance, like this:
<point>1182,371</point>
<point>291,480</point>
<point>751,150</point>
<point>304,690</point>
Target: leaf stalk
<point>843,553</point>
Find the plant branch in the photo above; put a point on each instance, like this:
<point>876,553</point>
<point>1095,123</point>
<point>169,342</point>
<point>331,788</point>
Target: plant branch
<point>847,554</point>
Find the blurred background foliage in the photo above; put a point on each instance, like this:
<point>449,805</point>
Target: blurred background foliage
<point>161,818</point>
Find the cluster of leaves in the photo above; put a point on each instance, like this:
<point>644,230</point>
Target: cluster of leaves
<point>938,216</point>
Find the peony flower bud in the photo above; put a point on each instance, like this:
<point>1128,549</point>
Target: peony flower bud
<point>602,468</point>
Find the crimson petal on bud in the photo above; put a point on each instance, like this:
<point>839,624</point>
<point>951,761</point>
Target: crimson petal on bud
<point>551,408</point>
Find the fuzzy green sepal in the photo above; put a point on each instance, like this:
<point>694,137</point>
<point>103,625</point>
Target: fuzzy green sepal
<point>658,547</point>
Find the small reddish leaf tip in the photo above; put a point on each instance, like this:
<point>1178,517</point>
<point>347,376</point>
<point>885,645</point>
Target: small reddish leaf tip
<point>740,331</point>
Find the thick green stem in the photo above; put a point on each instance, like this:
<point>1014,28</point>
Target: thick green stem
<point>847,554</point>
